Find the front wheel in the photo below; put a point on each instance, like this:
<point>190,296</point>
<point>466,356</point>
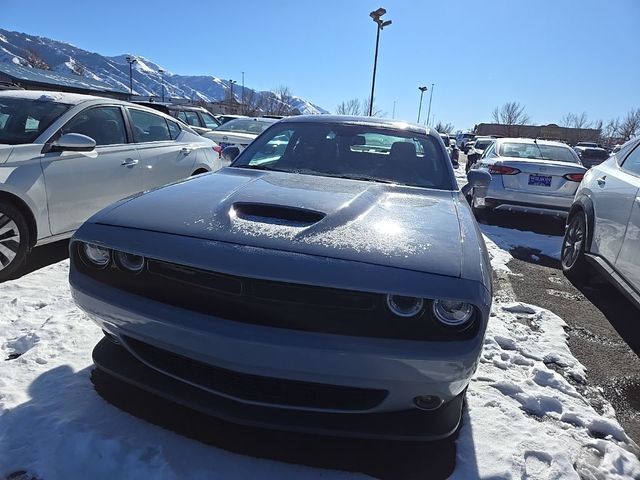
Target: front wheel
<point>14,240</point>
<point>573,260</point>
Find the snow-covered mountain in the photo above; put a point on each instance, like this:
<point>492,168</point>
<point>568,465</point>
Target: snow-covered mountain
<point>40,52</point>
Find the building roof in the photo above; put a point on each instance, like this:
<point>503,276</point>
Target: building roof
<point>49,77</point>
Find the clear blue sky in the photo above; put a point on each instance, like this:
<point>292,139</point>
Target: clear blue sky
<point>554,56</point>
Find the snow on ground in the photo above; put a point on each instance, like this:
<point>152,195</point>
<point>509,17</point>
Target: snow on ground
<point>510,238</point>
<point>526,416</point>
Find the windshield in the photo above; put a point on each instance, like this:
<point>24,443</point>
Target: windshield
<point>359,152</point>
<point>23,120</point>
<point>245,125</point>
<point>538,151</point>
<point>482,144</point>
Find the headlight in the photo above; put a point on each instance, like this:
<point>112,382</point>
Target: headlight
<point>452,313</point>
<point>95,255</point>
<point>404,306</point>
<point>129,262</point>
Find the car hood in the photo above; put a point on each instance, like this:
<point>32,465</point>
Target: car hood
<point>390,225</point>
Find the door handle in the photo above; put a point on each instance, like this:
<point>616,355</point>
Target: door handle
<point>186,150</point>
<point>129,162</point>
<point>602,181</point>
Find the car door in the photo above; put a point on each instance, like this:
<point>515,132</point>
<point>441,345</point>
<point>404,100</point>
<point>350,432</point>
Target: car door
<point>628,261</point>
<point>78,184</point>
<point>613,195</point>
<point>166,154</point>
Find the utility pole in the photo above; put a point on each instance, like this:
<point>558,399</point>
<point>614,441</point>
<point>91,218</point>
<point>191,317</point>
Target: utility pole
<point>430,98</point>
<point>243,106</point>
<point>161,72</point>
<point>231,83</point>
<point>422,90</point>
<point>393,115</point>
<point>131,60</point>
<point>376,16</point>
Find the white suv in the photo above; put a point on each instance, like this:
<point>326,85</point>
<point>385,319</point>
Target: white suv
<point>603,227</point>
<point>65,156</point>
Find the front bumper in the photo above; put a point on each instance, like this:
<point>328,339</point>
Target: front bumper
<point>411,424</point>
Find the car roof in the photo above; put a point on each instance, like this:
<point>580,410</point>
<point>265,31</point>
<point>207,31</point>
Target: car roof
<point>48,96</point>
<point>354,120</point>
<point>531,141</point>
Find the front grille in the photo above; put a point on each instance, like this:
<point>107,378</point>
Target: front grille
<point>256,388</point>
<point>274,304</point>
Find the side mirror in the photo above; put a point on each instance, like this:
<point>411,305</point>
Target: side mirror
<point>229,154</point>
<point>479,180</point>
<point>74,142</point>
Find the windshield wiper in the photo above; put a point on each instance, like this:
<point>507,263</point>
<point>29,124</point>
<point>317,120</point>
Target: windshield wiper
<point>363,178</point>
<point>265,167</point>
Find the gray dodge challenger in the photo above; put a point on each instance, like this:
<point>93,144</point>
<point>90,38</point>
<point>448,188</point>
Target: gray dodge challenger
<point>331,280</point>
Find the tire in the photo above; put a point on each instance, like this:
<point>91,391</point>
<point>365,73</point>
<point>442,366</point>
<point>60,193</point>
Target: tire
<point>572,257</point>
<point>14,240</point>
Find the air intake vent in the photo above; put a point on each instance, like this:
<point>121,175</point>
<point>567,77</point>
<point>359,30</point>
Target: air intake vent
<point>258,212</point>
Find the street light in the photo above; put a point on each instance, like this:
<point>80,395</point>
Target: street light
<point>231,82</point>
<point>376,16</point>
<point>430,98</point>
<point>131,60</point>
<point>161,72</point>
<point>243,107</point>
<point>422,90</point>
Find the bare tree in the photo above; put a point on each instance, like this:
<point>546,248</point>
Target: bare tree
<point>36,61</point>
<point>630,125</point>
<point>376,112</point>
<point>573,120</point>
<point>279,101</point>
<point>444,127</point>
<point>253,103</point>
<point>349,107</point>
<point>511,113</point>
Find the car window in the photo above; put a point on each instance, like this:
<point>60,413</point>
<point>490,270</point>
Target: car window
<point>181,115</point>
<point>208,120</point>
<point>104,124</point>
<point>632,162</point>
<point>539,151</point>
<point>242,125</point>
<point>174,129</point>
<point>360,152</point>
<point>23,120</point>
<point>192,119</point>
<point>148,127</point>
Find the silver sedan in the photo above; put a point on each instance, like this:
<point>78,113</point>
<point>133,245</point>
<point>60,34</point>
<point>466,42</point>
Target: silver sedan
<point>65,156</point>
<point>529,176</point>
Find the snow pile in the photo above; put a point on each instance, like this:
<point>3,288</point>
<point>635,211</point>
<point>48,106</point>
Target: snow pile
<point>509,239</point>
<point>527,417</point>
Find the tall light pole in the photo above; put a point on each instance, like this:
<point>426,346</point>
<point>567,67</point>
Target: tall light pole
<point>393,115</point>
<point>131,60</point>
<point>422,90</point>
<point>231,83</point>
<point>376,16</point>
<point>430,98</point>
<point>161,72</point>
<point>243,107</point>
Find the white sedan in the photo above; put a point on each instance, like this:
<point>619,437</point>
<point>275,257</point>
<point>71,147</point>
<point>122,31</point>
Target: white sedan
<point>239,132</point>
<point>65,156</point>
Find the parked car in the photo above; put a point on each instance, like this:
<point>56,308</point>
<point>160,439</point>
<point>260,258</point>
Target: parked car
<point>529,176</point>
<point>339,285</point>
<point>591,156</point>
<point>589,145</point>
<point>198,118</point>
<point>477,148</point>
<point>603,227</point>
<point>463,138</point>
<point>239,132</point>
<point>64,156</point>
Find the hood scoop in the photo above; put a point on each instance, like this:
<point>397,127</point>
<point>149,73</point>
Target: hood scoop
<point>276,214</point>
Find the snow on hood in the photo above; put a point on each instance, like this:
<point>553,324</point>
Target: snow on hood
<point>381,224</point>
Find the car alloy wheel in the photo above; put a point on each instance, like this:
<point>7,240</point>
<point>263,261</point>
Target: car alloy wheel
<point>9,241</point>
<point>14,239</point>
<point>574,263</point>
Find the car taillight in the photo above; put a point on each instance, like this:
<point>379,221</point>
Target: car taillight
<point>574,177</point>
<point>502,170</point>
